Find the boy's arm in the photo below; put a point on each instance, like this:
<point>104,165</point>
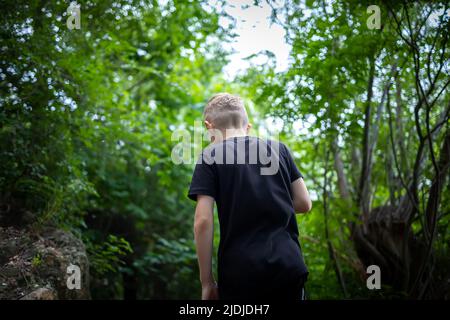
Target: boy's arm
<point>301,200</point>
<point>203,233</point>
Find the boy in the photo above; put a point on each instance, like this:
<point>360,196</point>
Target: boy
<point>258,189</point>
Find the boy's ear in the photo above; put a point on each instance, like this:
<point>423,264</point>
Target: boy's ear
<point>208,125</point>
<point>249,125</point>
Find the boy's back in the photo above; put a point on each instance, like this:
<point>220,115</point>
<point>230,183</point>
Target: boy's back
<point>259,253</point>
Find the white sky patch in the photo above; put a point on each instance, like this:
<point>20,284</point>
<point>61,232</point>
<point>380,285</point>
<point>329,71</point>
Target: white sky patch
<point>255,33</point>
<point>273,123</point>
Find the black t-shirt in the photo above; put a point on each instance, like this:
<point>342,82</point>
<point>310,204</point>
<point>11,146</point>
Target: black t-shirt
<point>259,253</point>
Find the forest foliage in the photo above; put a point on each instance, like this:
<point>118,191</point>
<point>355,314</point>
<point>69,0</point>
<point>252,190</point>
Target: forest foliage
<point>87,118</point>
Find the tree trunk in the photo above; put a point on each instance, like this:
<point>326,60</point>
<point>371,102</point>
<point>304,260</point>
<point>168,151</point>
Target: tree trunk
<point>364,180</point>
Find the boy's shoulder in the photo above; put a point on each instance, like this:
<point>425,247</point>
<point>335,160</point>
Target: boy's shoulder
<point>236,140</point>
<point>211,152</point>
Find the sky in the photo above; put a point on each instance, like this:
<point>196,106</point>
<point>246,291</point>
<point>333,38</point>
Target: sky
<point>255,33</point>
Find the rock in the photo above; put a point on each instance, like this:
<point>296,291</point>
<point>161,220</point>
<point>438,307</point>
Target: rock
<point>35,266</point>
<point>41,294</point>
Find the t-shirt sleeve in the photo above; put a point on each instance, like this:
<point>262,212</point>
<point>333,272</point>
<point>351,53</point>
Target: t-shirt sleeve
<point>294,173</point>
<point>203,180</point>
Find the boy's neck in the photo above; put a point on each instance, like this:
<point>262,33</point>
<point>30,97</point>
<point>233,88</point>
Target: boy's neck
<point>231,133</point>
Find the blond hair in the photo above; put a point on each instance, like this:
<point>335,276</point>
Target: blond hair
<point>226,111</point>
